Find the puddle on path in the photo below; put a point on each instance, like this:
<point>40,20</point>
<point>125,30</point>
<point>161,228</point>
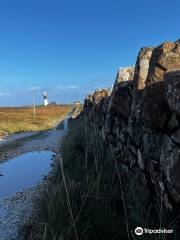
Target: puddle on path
<point>23,172</point>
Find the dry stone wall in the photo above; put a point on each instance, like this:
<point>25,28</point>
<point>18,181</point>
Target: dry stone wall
<point>140,118</point>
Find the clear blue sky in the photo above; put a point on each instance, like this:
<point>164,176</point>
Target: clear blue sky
<point>72,47</point>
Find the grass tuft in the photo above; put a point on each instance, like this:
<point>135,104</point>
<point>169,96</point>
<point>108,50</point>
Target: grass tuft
<point>85,199</point>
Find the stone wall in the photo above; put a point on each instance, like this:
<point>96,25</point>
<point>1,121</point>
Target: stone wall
<point>140,118</point>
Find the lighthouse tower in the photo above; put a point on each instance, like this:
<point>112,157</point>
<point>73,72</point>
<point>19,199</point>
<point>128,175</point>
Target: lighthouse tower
<point>45,99</point>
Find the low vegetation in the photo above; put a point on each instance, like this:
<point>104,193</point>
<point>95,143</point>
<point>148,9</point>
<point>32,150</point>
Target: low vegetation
<point>80,200</point>
<point>90,195</point>
<point>22,119</point>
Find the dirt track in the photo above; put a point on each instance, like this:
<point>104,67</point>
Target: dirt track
<point>17,144</point>
<point>16,210</point>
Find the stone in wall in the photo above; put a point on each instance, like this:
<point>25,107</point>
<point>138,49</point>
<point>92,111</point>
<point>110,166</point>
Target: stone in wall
<point>88,104</point>
<point>170,165</point>
<point>140,74</point>
<point>122,92</point>
<point>139,81</point>
<point>93,106</point>
<point>173,90</point>
<point>118,104</point>
<point>164,58</point>
<point>124,74</point>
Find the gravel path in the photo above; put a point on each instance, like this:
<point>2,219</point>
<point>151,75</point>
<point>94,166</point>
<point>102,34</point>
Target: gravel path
<point>17,144</point>
<point>16,210</point>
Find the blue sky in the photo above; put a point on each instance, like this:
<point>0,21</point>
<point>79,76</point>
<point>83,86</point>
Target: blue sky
<point>69,48</point>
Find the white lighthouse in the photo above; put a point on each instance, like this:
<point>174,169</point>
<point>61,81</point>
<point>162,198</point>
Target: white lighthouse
<point>45,99</point>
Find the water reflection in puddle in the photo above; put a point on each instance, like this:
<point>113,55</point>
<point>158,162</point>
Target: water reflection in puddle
<point>23,172</point>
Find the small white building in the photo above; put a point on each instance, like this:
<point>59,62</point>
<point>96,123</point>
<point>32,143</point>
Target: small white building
<point>45,98</point>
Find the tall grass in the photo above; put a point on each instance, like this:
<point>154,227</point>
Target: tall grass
<point>85,198</point>
<point>82,201</point>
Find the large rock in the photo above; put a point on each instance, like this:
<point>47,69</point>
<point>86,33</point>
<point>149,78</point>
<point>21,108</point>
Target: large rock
<point>92,100</point>
<point>88,104</point>
<point>121,101</point>
<point>124,74</point>
<point>122,93</point>
<point>118,105</point>
<point>139,81</point>
<point>93,106</point>
<point>164,58</point>
<point>140,74</point>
